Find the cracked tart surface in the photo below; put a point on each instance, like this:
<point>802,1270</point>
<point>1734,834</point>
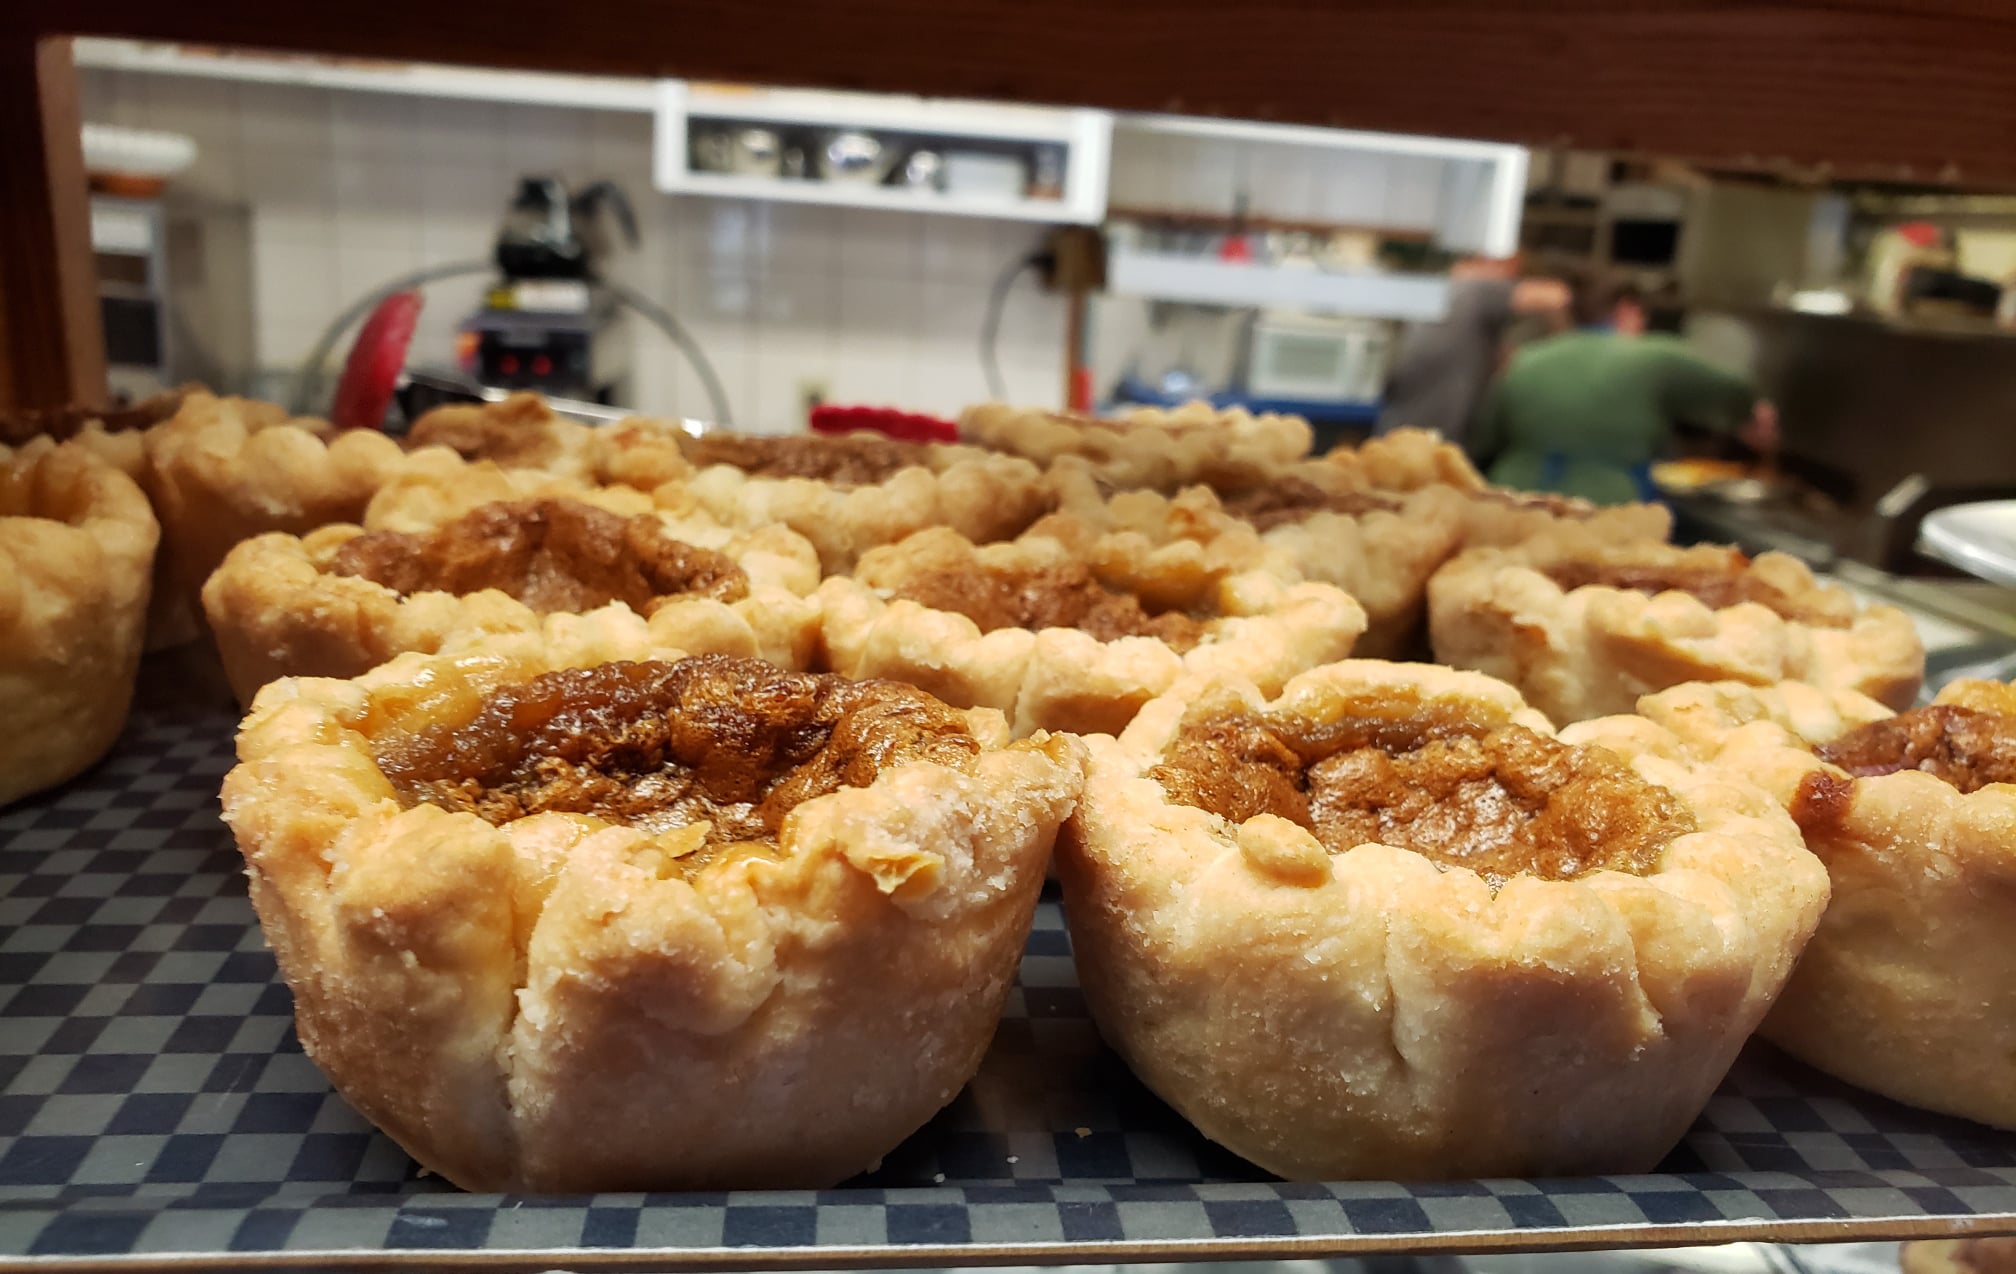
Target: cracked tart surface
<point>641,925</point>
<point>1388,924</point>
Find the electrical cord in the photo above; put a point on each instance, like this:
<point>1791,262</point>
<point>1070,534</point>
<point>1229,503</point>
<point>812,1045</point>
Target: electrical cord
<point>307,381</point>
<point>990,324</point>
<point>661,318</point>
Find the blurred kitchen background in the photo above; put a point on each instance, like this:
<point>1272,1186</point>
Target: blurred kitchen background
<point>848,249</point>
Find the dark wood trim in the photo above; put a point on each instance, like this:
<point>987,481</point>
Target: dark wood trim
<point>1878,87</point>
<point>52,351</point>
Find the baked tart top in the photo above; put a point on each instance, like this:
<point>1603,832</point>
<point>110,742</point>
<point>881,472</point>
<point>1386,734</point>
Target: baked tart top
<point>1459,788</point>
<point>520,432</point>
<point>1032,583</point>
<point>1718,577</point>
<point>854,459</point>
<point>1934,779</point>
<point>715,749</point>
<point>550,554</point>
<point>1438,763</point>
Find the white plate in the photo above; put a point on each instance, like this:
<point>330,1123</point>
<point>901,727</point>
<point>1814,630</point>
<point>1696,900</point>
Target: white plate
<point>1978,538</point>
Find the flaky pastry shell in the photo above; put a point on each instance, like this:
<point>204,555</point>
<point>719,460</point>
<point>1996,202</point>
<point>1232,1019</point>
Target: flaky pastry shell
<point>77,542</point>
<point>1580,651</point>
<point>227,469</point>
<point>1370,1014</point>
<point>278,609</point>
<point>1908,989</point>
<point>1406,459</point>
<point>1260,625</point>
<point>1499,518</point>
<point>1381,552</point>
<point>555,1003</point>
<point>983,497</point>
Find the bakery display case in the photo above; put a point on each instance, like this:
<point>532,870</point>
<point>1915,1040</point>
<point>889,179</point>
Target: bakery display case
<point>516,843</point>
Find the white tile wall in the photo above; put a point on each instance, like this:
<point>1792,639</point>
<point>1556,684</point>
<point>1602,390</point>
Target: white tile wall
<point>347,190</point>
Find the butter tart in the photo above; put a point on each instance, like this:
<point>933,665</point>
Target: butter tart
<point>77,542</point>
<point>1405,459</point>
<point>1389,924</point>
<point>1583,626</point>
<point>227,469</point>
<point>519,432</point>
<point>1157,448</point>
<point>118,436</point>
<point>344,599</point>
<point>1378,546</point>
<point>524,432</point>
<point>1030,628</point>
<point>679,924</point>
<point>853,492</point>
<point>1909,987</point>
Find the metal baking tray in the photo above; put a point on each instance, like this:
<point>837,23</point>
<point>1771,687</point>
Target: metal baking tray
<point>157,1110</point>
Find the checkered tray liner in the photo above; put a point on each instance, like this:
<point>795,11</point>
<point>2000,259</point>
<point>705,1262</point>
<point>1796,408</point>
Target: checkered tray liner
<point>154,1101</point>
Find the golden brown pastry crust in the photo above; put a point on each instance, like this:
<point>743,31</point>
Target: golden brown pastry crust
<point>77,542</point>
<point>1499,518</point>
<point>278,610</point>
<point>519,432</point>
<point>1381,554</point>
<point>1908,988</point>
<point>1406,459</point>
<point>1157,448</point>
<point>1259,625</point>
<point>1366,1014</point>
<point>983,497</point>
<point>540,1006</point>
<point>227,469</point>
<point>523,432</point>
<point>1588,651</point>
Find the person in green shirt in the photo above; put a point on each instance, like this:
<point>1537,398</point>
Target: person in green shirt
<point>1586,413</point>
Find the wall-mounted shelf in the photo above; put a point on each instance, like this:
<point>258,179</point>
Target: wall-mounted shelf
<point>1085,136</point>
<point>418,79</point>
<point>1483,183</point>
<point>1198,280</point>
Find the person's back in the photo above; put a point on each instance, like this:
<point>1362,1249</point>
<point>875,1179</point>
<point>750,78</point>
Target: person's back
<point>1585,413</point>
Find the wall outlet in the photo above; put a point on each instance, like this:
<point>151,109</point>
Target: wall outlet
<point>813,393</point>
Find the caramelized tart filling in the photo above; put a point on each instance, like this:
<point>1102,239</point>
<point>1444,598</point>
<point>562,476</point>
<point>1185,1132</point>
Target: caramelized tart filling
<point>1501,801</point>
<point>1968,748</point>
<point>846,459</point>
<point>510,433</point>
<point>1293,499</point>
<point>1062,595</point>
<point>1716,586</point>
<point>735,744</point>
<point>552,555</point>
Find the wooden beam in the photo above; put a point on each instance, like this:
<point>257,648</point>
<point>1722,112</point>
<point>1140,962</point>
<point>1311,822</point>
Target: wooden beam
<point>52,350</point>
<point>1899,88</point>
